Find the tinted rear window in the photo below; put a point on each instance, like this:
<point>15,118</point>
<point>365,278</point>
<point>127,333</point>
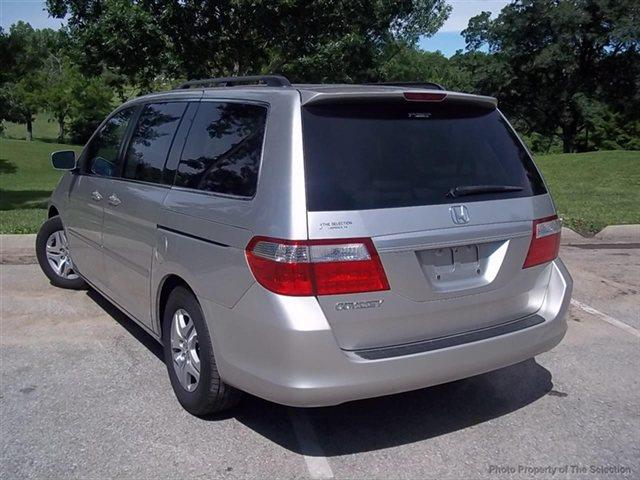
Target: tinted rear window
<point>368,156</point>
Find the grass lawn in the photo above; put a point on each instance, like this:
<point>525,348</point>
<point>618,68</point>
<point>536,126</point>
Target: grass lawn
<point>592,190</point>
<point>44,128</point>
<point>26,181</point>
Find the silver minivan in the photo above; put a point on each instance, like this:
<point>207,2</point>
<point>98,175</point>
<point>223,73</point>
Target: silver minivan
<point>313,244</point>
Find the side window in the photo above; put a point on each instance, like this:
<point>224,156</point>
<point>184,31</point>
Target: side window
<point>222,151</point>
<point>151,141</point>
<point>102,152</point>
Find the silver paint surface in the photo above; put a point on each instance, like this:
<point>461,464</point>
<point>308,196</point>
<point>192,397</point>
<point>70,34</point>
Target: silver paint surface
<point>295,350</point>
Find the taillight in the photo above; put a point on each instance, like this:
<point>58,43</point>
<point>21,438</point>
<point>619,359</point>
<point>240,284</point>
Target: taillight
<point>316,267</point>
<point>545,241</point>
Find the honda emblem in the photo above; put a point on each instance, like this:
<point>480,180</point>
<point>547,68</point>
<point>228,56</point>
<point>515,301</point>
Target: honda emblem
<point>459,214</point>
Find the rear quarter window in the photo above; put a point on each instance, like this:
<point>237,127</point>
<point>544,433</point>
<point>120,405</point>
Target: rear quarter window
<point>223,149</point>
<point>369,156</point>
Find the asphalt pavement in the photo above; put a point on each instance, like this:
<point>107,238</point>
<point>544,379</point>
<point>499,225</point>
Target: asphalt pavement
<point>84,394</point>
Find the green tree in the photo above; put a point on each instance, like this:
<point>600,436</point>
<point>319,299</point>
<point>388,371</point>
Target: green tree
<point>24,51</point>
<point>319,40</point>
<point>479,68</point>
<point>93,99</point>
<point>407,63</point>
<point>62,82</point>
<point>23,101</point>
<point>7,58</point>
<point>119,34</point>
<point>552,54</point>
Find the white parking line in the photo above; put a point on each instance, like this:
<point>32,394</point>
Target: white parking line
<point>317,464</point>
<point>610,320</point>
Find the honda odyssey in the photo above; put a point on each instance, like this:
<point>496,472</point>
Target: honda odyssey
<point>313,244</point>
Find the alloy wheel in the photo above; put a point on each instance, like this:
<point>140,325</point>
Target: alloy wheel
<point>185,350</point>
<point>57,252</point>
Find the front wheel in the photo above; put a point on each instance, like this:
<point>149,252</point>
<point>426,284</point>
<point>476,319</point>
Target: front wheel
<point>52,251</point>
<point>188,353</point>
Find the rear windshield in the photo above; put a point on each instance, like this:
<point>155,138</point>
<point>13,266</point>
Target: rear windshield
<point>366,156</point>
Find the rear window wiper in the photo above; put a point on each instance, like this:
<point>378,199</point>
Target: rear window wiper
<point>461,191</point>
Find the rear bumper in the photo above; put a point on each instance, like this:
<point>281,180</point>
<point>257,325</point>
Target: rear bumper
<point>282,349</point>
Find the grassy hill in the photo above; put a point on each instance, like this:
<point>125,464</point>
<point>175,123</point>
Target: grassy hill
<point>592,190</point>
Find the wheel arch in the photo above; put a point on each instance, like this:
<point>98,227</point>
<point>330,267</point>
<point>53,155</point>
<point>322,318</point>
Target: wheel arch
<point>52,212</point>
<point>167,285</point>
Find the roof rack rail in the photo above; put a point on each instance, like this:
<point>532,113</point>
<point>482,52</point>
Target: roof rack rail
<point>431,85</point>
<point>268,80</point>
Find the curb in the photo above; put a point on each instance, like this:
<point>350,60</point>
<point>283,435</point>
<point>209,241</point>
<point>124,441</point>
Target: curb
<point>18,249</point>
<point>616,233</point>
<point>623,234</point>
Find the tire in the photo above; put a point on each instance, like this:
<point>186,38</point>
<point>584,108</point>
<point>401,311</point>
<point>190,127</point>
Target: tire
<point>52,235</point>
<point>207,394</point>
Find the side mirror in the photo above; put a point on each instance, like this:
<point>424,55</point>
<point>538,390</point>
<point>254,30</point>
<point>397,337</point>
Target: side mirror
<point>64,160</point>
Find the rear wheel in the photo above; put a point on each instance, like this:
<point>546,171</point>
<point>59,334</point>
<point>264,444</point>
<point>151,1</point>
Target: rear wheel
<point>188,353</point>
<point>52,251</point>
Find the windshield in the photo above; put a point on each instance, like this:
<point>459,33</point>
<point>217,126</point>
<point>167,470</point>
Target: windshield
<point>386,155</point>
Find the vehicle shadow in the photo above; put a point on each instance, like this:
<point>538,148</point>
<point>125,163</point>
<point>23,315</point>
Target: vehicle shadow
<point>400,419</point>
<point>129,325</point>
<point>384,422</point>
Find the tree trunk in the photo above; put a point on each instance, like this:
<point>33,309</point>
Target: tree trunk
<point>61,129</point>
<point>29,129</point>
<point>586,135</point>
<point>568,137</point>
<point>122,95</point>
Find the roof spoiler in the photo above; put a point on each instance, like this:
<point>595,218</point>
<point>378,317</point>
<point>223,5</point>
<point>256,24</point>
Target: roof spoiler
<point>397,95</point>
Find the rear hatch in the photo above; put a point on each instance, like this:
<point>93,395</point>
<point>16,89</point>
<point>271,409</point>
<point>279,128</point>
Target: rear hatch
<point>447,194</point>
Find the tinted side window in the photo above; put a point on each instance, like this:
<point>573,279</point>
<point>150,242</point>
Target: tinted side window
<point>102,152</point>
<point>222,152</point>
<point>151,141</point>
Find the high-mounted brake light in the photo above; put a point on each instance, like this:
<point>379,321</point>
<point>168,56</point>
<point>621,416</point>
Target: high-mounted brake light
<point>316,267</point>
<point>424,97</point>
<point>545,241</point>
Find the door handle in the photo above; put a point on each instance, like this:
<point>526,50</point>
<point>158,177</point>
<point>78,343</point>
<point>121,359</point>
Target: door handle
<point>114,200</point>
<point>95,195</point>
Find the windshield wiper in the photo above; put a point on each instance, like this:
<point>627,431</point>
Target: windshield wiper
<point>461,191</point>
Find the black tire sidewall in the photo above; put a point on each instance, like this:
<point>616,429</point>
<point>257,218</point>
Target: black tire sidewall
<point>52,225</point>
<point>198,401</point>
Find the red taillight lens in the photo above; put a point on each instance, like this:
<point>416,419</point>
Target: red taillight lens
<point>316,267</point>
<point>424,97</point>
<point>545,241</point>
